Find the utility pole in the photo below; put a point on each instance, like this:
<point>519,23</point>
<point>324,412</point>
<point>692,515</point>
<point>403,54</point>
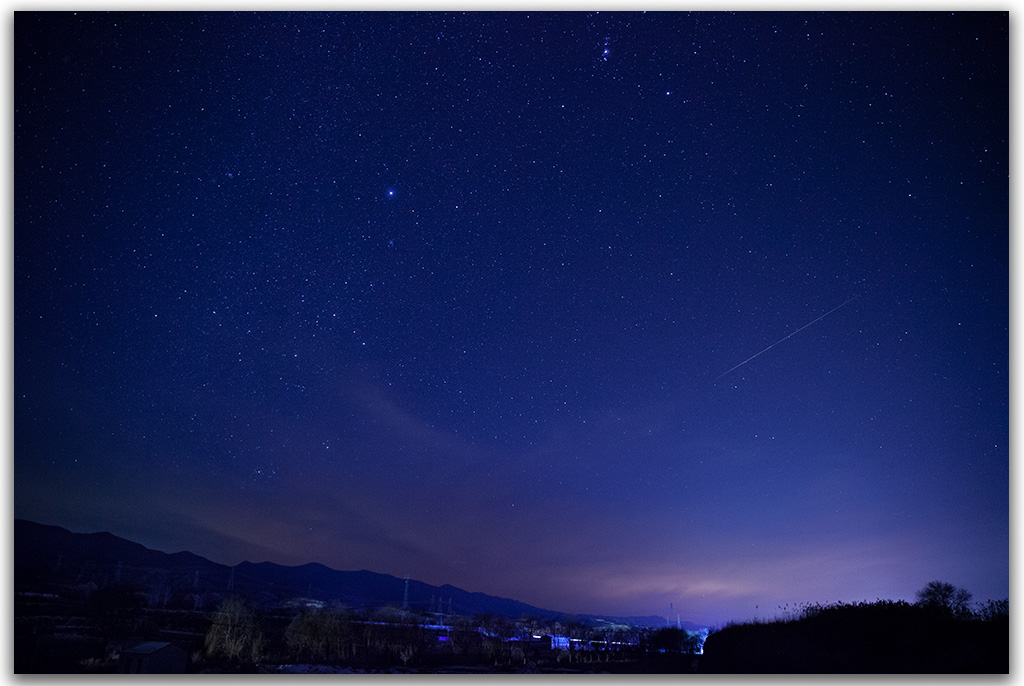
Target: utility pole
<point>405,598</point>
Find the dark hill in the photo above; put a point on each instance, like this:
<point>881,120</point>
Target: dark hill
<point>51,559</point>
<point>40,547</point>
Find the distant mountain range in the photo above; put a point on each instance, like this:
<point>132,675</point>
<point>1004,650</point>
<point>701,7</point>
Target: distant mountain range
<point>48,558</point>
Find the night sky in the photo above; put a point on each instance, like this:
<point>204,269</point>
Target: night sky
<point>600,312</point>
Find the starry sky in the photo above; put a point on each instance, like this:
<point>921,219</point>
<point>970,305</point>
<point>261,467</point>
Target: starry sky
<point>597,311</point>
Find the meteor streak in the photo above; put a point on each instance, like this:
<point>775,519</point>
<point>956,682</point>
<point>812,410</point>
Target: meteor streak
<point>788,336</point>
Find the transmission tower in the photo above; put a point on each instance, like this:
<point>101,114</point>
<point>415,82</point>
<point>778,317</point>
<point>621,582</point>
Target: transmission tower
<point>405,598</point>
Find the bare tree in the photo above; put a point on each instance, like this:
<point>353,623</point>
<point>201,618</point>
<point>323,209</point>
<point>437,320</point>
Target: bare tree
<point>235,633</point>
<point>320,634</point>
<point>946,598</point>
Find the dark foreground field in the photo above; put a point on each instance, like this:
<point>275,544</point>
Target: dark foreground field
<point>101,633</point>
<point>673,665</point>
<point>93,634</point>
<point>866,638</point>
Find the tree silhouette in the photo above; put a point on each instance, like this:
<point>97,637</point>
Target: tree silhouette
<point>945,598</point>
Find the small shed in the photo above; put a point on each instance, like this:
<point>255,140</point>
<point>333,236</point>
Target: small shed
<point>153,657</point>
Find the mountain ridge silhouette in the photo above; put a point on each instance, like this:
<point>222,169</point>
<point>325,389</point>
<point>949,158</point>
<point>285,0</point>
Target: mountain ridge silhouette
<point>48,557</point>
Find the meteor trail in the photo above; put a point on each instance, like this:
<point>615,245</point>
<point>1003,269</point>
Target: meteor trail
<point>784,338</point>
